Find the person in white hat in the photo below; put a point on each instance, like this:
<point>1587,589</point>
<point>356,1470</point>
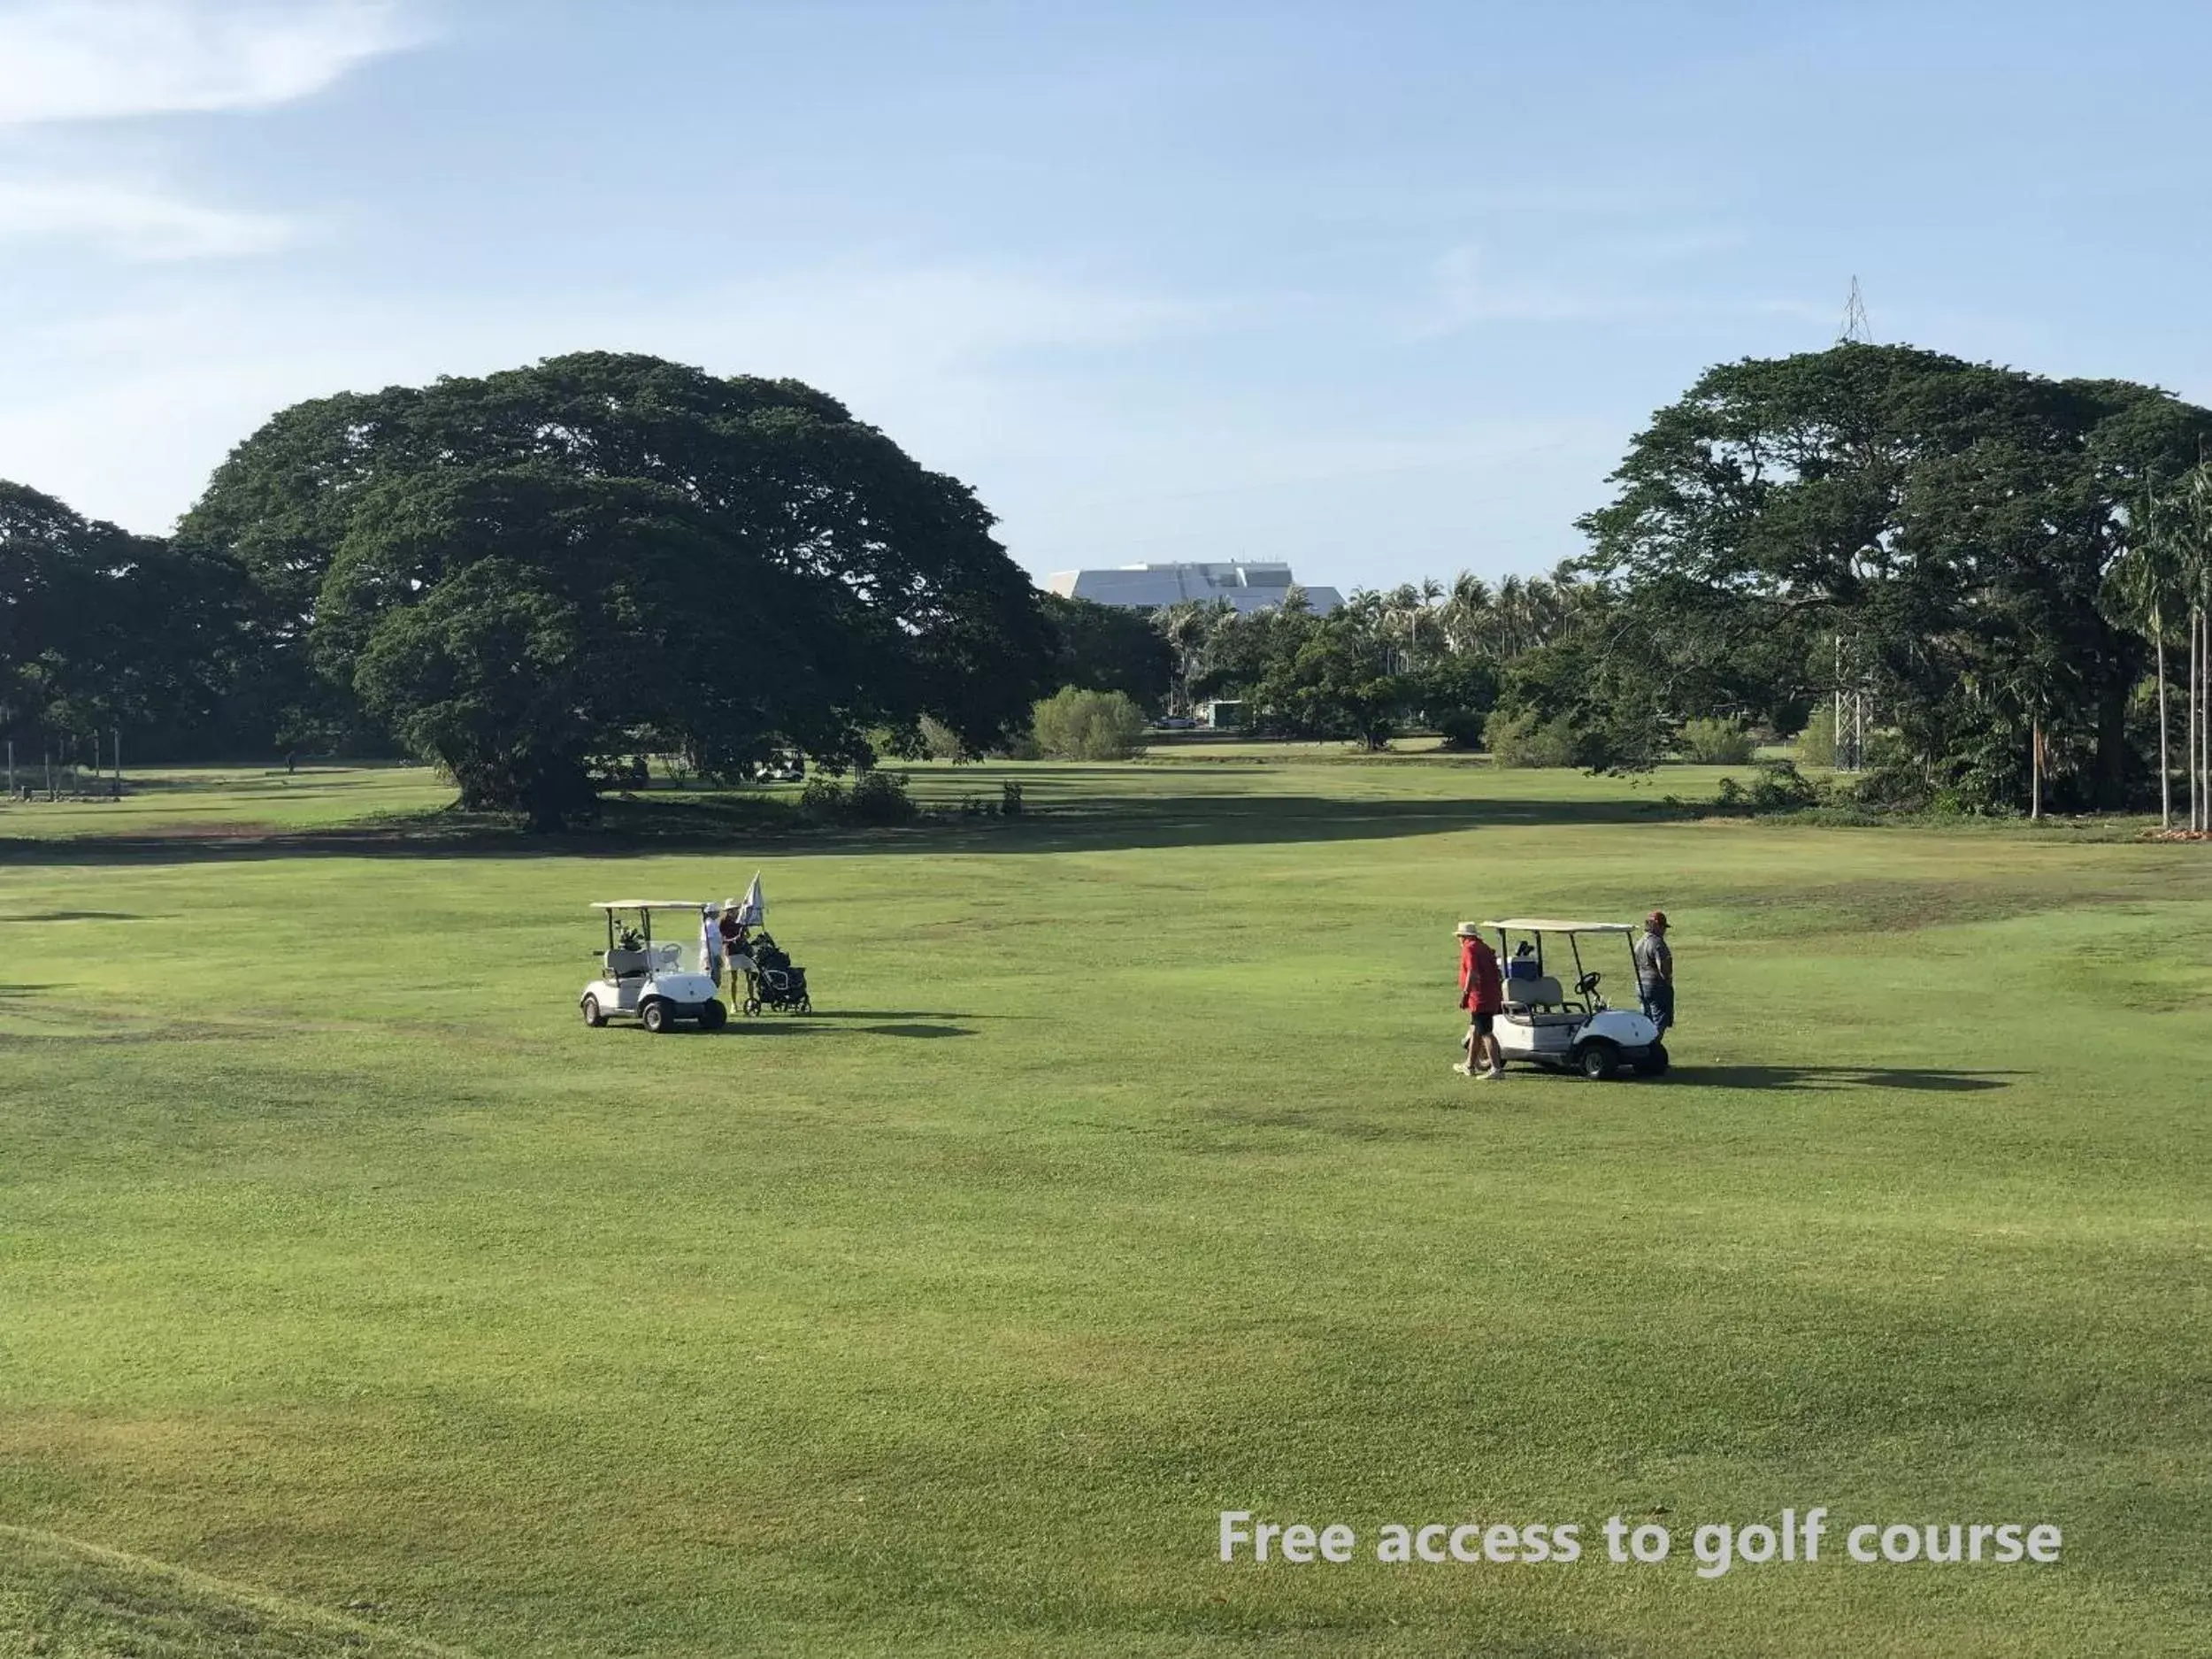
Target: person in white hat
<point>1482,994</point>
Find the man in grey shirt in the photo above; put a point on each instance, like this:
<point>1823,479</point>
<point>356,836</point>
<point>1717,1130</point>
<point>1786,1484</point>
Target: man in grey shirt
<point>1654,972</point>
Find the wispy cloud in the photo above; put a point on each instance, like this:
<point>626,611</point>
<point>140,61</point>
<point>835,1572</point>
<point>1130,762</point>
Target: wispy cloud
<point>83,60</point>
<point>1610,279</point>
<point>934,354</point>
<point>134,222</point>
<point>1464,294</point>
<point>67,66</point>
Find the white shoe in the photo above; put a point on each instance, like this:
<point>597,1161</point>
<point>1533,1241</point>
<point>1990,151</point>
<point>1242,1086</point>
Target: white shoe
<point>1464,1069</point>
<point>1497,1076</point>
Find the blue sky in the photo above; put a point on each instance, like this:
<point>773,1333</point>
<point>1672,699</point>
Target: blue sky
<point>1383,289</point>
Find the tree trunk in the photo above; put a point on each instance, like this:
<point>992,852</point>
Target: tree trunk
<point>2196,715</point>
<point>2199,794</point>
<point>2196,674</point>
<point>2035,769</point>
<point>2165,766</point>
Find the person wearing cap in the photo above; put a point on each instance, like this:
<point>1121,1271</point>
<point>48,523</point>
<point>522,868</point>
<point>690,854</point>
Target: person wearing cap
<point>1482,994</point>
<point>1654,972</point>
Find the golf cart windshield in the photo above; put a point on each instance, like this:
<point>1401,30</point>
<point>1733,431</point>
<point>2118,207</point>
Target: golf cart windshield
<point>632,947</point>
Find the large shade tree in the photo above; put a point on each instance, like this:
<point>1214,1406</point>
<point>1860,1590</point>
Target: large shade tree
<point>1935,532</point>
<point>668,557</point>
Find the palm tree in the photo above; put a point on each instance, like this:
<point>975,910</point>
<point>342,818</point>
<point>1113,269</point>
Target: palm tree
<point>1512,608</point>
<point>1188,626</point>
<point>2140,592</point>
<point>1467,611</point>
<point>2193,524</point>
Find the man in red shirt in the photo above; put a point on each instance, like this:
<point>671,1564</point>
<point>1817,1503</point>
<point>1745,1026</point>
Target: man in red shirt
<point>1482,994</point>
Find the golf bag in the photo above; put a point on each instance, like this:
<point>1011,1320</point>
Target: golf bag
<point>774,980</point>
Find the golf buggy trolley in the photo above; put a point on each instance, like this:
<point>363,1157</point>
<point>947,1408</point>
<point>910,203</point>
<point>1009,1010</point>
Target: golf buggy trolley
<point>772,980</point>
<point>644,980</point>
<point>1545,1025</point>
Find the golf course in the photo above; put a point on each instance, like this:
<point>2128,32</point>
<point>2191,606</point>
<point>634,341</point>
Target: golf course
<point>355,1298</point>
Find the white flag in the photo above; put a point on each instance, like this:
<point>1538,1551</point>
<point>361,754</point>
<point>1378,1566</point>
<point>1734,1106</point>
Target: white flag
<point>754,911</point>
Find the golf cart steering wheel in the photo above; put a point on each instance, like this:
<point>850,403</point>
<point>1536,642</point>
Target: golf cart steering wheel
<point>1588,984</point>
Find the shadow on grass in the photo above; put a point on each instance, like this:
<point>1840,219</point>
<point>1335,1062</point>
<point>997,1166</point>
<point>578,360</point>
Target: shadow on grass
<point>809,1025</point>
<point>1840,1077</point>
<point>899,1013</point>
<point>74,916</point>
<point>1093,824</point>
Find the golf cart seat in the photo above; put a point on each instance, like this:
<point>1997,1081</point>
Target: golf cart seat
<point>1539,1003</point>
<point>626,964</point>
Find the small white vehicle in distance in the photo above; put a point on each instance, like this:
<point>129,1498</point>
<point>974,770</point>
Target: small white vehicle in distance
<point>1546,1023</point>
<point>646,980</point>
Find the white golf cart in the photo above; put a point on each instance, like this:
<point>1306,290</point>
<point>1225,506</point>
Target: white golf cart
<point>1545,1025</point>
<point>647,981</point>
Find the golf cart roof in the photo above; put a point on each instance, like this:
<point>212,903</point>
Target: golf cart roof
<point>1541,926</point>
<point>693,905</point>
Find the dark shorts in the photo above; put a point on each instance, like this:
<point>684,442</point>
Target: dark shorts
<point>1480,1021</point>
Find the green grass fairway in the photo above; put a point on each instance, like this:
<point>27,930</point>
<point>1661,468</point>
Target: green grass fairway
<point>356,1299</point>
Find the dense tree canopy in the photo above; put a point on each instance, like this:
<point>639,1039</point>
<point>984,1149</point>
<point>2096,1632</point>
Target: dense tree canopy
<point>1110,647</point>
<point>1934,531</point>
<point>738,561</point>
<point>101,628</point>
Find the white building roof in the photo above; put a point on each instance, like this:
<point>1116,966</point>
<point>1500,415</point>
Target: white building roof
<point>1249,585</point>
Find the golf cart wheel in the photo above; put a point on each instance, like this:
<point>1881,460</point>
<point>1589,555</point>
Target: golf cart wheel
<point>713,1017</point>
<point>593,1015</point>
<point>1597,1059</point>
<point>752,1005</point>
<point>655,1014</point>
<point>1654,1063</point>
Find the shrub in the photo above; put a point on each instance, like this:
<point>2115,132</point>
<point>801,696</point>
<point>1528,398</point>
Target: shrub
<point>1527,739</point>
<point>1075,725</point>
<point>880,797</point>
<point>1816,745</point>
<point>823,799</point>
<point>1781,788</point>
<point>1718,743</point>
<point>1778,787</point>
<point>1009,799</point>
<point>1462,729</point>
<point>939,741</point>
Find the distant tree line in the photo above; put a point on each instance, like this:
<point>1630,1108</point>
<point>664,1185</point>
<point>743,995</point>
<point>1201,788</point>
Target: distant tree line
<point>538,577</point>
<point>1987,568</point>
